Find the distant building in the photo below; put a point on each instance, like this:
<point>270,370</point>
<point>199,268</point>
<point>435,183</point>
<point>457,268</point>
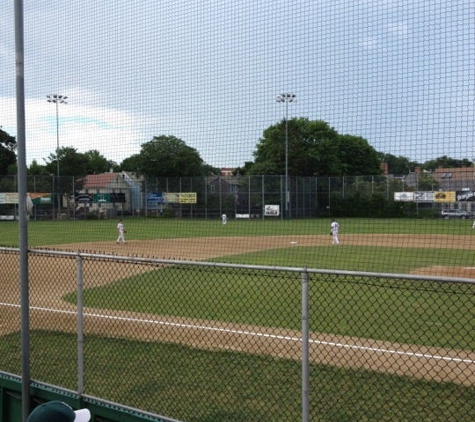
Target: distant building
<point>227,171</point>
<point>455,179</point>
<point>109,194</point>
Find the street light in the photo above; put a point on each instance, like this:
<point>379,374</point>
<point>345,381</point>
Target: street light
<point>286,98</point>
<point>57,99</point>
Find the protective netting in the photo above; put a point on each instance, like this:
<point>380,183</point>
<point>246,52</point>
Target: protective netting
<point>247,133</point>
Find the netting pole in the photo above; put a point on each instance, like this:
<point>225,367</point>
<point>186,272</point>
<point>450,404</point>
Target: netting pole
<point>80,324</point>
<point>263,196</point>
<point>305,349</point>
<point>23,223</point>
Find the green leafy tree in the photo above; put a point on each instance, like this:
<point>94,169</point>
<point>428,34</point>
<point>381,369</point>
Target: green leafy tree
<point>39,179</point>
<point>168,156</point>
<point>37,169</point>
<point>7,153</point>
<point>73,166</point>
<point>71,162</point>
<point>357,156</point>
<point>398,165</point>
<point>314,149</point>
<point>97,163</point>
<point>131,164</point>
<point>446,162</point>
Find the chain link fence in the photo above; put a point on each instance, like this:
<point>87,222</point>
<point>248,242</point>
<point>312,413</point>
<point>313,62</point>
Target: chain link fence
<point>212,342</point>
<point>237,196</point>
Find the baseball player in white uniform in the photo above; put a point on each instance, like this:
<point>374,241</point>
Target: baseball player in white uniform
<point>335,227</point>
<point>121,232</point>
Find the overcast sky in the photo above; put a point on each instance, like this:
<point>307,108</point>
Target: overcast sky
<point>399,73</point>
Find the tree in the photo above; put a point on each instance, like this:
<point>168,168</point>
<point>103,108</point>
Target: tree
<point>131,164</point>
<point>398,165</point>
<point>97,163</point>
<point>7,153</point>
<point>168,156</point>
<point>314,148</point>
<point>71,163</point>
<point>39,179</point>
<point>446,162</point>
<point>357,156</point>
<point>72,169</point>
<point>36,169</point>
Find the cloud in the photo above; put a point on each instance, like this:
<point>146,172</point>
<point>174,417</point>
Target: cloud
<point>117,134</point>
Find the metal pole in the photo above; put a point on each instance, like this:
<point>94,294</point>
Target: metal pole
<point>23,223</point>
<point>287,160</point>
<point>57,160</point>
<point>305,349</point>
<point>80,324</point>
<point>57,99</point>
<point>286,98</point>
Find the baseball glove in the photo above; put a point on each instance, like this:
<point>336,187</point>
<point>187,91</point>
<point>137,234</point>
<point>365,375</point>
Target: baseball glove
<point>125,231</point>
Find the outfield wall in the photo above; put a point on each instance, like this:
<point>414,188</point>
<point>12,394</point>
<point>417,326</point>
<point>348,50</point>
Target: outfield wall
<point>235,196</point>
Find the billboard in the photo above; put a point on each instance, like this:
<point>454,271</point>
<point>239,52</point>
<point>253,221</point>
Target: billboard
<point>271,210</point>
<point>179,197</point>
<point>444,197</point>
<point>465,195</point>
<point>424,196</point>
<point>37,198</point>
<point>404,196</point>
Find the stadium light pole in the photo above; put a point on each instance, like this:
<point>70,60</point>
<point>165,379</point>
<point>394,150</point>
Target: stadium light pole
<point>286,98</point>
<point>56,100</point>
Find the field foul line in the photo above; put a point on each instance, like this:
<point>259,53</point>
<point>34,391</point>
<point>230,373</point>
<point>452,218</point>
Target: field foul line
<point>263,335</point>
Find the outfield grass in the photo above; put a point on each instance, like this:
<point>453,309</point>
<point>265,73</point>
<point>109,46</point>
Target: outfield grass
<point>73,231</point>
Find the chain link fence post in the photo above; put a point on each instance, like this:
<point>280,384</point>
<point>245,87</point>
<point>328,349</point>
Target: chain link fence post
<point>80,323</point>
<point>305,348</point>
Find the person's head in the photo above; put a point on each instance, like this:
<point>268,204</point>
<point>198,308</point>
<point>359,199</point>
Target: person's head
<point>57,411</point>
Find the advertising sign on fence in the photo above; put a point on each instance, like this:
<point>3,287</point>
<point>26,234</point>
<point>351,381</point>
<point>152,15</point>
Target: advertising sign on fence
<point>272,210</point>
<point>424,196</point>
<point>444,197</point>
<point>153,199</point>
<point>179,197</point>
<point>404,196</point>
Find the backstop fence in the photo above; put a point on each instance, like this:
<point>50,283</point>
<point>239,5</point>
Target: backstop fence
<point>202,341</point>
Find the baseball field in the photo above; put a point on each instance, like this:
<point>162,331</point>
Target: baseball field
<point>442,248</point>
<point>430,247</point>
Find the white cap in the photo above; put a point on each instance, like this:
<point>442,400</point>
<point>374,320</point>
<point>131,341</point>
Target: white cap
<point>82,415</point>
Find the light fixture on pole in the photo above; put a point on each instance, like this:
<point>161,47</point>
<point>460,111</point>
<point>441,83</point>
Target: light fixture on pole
<point>286,98</point>
<point>57,99</point>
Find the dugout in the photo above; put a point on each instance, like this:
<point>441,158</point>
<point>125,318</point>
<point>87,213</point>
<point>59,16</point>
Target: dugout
<point>101,410</point>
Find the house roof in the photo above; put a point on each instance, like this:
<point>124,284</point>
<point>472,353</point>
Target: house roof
<point>102,180</point>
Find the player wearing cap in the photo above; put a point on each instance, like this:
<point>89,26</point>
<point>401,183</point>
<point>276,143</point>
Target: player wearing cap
<point>334,229</point>
<point>58,411</point>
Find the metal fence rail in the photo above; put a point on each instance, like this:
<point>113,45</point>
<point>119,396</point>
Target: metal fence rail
<point>202,341</point>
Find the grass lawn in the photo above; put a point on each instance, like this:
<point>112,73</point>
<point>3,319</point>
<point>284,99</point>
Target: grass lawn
<point>434,314</point>
<point>73,231</point>
<point>196,385</point>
